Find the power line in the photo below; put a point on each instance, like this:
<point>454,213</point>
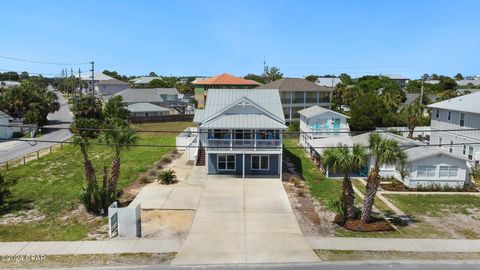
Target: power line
<point>44,62</point>
<point>223,147</point>
<point>36,73</point>
<point>260,132</point>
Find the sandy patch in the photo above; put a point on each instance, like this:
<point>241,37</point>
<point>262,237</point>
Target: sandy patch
<point>22,217</point>
<point>457,226</point>
<point>166,223</point>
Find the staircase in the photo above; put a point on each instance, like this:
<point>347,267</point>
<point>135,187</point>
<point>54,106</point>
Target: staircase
<point>201,157</point>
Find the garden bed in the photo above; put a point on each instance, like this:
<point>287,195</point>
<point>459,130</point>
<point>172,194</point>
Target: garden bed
<point>376,225</point>
<point>399,186</point>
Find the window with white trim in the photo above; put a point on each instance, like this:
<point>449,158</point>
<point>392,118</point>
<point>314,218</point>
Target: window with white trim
<point>462,119</point>
<point>448,171</point>
<point>226,162</point>
<point>470,152</point>
<point>426,171</point>
<point>260,162</point>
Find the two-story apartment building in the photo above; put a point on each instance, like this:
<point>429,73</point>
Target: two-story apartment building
<point>297,94</point>
<point>222,81</point>
<point>455,125</point>
<point>317,122</point>
<point>240,132</point>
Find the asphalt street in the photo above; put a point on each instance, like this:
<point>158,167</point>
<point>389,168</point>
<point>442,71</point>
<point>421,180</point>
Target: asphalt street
<point>61,118</point>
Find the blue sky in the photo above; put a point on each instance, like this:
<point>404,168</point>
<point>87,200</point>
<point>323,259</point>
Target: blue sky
<point>185,37</point>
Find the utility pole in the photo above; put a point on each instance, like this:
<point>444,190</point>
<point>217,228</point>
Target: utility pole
<point>93,81</point>
<point>421,92</point>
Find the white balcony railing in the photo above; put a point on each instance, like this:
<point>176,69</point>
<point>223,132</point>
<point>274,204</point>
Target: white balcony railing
<point>246,144</point>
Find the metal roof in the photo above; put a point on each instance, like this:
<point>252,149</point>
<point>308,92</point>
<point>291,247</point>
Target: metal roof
<point>98,77</point>
<point>317,110</point>
<point>4,115</point>
<point>466,82</point>
<point>244,121</point>
<point>145,80</point>
<point>266,101</point>
<point>146,107</point>
<point>466,103</point>
<point>225,79</point>
<point>147,95</point>
<point>198,116</point>
<point>421,152</point>
<point>294,84</point>
<point>112,82</point>
<point>395,76</point>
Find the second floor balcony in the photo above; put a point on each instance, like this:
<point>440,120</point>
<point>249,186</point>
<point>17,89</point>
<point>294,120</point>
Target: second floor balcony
<point>244,140</point>
<point>328,129</point>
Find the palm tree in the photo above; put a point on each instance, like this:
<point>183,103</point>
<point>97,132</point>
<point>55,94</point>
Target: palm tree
<point>119,137</point>
<point>342,159</point>
<point>382,151</point>
<point>273,74</point>
<point>410,115</point>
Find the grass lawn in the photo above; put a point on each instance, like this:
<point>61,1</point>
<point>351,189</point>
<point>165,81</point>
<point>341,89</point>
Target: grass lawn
<point>323,189</point>
<point>53,185</point>
<point>436,205</point>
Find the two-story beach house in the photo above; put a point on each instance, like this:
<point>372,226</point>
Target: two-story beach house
<point>297,94</point>
<point>240,132</point>
<point>455,126</point>
<point>222,81</point>
<point>317,122</point>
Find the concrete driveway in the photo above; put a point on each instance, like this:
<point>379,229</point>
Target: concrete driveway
<point>244,221</point>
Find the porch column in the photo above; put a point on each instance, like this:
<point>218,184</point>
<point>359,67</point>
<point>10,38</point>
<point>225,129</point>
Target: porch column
<point>231,140</point>
<point>243,165</point>
<point>280,158</point>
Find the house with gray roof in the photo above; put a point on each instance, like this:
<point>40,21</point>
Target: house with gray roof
<point>110,87</point>
<point>425,164</point>
<point>297,94</point>
<point>164,97</point>
<point>317,122</point>
<point>143,81</point>
<point>146,109</point>
<point>240,132</point>
<point>330,82</point>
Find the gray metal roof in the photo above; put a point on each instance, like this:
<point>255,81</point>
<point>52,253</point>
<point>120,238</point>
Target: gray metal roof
<point>99,76</point>
<point>396,76</point>
<point>147,95</point>
<point>146,107</point>
<point>467,103</point>
<point>328,82</point>
<point>244,121</point>
<point>145,80</point>
<point>421,152</point>
<point>198,116</point>
<point>294,84</point>
<point>317,110</point>
<point>4,115</point>
<point>265,100</point>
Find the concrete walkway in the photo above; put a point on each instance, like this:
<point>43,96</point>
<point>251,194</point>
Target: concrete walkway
<point>90,247</point>
<point>244,221</point>
<point>394,244</point>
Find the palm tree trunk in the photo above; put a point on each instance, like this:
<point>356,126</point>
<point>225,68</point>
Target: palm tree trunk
<point>87,164</point>
<point>349,198</point>
<point>114,175</point>
<point>371,191</point>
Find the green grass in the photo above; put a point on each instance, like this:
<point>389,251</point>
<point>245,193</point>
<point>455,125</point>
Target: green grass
<point>435,204</point>
<point>53,185</point>
<point>323,189</point>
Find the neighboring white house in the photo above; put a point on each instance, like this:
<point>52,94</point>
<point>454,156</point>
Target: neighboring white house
<point>328,81</point>
<point>8,84</point>
<point>143,81</point>
<point>5,131</point>
<point>398,78</point>
<point>317,122</point>
<point>451,121</point>
<point>147,109</point>
<point>240,132</point>
<point>425,164</point>
<point>98,77</point>
<point>110,87</point>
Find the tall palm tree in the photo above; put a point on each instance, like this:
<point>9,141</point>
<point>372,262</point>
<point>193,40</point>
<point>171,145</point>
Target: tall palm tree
<point>342,159</point>
<point>119,137</point>
<point>382,151</point>
<point>273,74</point>
<point>410,115</point>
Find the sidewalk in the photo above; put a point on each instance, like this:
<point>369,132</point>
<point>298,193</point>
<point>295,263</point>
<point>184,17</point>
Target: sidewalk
<point>394,244</point>
<point>90,247</point>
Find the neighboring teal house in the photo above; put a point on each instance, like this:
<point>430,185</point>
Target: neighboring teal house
<point>240,132</point>
<point>222,81</point>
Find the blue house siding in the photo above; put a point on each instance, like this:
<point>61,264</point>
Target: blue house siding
<point>273,165</point>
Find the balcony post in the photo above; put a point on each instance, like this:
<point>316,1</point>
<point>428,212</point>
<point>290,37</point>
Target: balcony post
<point>231,140</point>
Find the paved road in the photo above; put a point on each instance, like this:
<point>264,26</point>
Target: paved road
<point>437,265</point>
<point>61,118</point>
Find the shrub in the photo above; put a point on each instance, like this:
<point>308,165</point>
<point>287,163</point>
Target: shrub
<point>301,192</point>
<point>339,207</point>
<point>166,160</point>
<point>439,187</point>
<point>144,179</point>
<point>167,177</point>
<point>5,191</point>
<point>294,126</point>
<point>297,181</point>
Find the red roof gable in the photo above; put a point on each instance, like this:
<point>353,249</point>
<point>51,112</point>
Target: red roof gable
<point>226,79</point>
